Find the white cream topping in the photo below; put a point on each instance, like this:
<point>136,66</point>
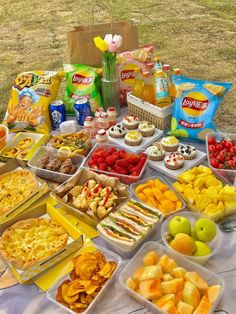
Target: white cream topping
<point>187,150</point>
<point>174,159</point>
<point>130,120</point>
<point>169,141</point>
<point>154,150</point>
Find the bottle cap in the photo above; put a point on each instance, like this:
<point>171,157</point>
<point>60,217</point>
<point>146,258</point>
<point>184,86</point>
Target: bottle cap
<point>177,71</point>
<point>156,59</point>
<point>146,74</point>
<point>165,67</point>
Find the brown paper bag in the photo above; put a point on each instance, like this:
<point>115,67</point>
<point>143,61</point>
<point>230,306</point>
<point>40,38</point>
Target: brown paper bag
<point>80,39</point>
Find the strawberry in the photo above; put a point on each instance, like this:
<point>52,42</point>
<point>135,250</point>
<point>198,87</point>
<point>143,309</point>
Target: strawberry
<point>123,163</point>
<point>122,153</point>
<point>111,150</point>
<point>110,160</point>
<point>91,162</point>
<point>133,159</point>
<point>102,167</point>
<point>101,160</point>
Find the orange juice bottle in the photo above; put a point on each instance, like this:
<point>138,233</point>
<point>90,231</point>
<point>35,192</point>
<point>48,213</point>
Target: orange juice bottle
<point>172,91</point>
<point>161,86</point>
<point>138,84</point>
<point>148,92</point>
<point>176,71</point>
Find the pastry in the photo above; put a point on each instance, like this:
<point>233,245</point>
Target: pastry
<point>54,164</point>
<point>174,161</point>
<point>155,152</point>
<point>43,161</point>
<point>133,138</point>
<point>170,143</point>
<point>25,142</point>
<point>101,136</point>
<point>131,122</point>
<point>30,241</point>
<point>67,167</point>
<point>117,131</point>
<point>15,187</point>
<point>146,128</point>
<point>22,154</point>
<point>187,151</point>
<point>11,152</point>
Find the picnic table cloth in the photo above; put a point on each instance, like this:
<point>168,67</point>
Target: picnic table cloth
<point>29,299</point>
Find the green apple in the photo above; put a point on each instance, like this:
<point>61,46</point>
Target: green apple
<point>202,249</point>
<point>179,224</point>
<point>205,229</point>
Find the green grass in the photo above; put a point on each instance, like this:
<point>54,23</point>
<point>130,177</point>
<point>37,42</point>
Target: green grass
<point>199,36</point>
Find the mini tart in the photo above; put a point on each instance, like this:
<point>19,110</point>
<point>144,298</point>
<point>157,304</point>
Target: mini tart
<point>25,142</point>
<point>170,143</point>
<point>11,152</point>
<point>131,122</point>
<point>155,152</point>
<point>174,161</point>
<point>117,131</point>
<point>101,136</point>
<point>22,154</point>
<point>133,138</point>
<point>146,128</point>
<point>187,151</point>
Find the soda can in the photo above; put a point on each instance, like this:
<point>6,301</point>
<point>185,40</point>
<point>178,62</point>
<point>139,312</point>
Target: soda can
<point>82,110</point>
<point>57,113</point>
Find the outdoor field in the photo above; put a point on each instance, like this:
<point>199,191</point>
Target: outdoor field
<point>198,36</point>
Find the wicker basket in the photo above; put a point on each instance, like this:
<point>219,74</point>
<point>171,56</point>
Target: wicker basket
<point>161,117</point>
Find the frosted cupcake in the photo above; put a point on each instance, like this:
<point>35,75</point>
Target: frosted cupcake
<point>170,143</point>
<point>131,122</point>
<point>174,161</point>
<point>146,128</point>
<point>133,138</point>
<point>117,131</point>
<point>187,151</point>
<point>101,136</point>
<point>155,152</point>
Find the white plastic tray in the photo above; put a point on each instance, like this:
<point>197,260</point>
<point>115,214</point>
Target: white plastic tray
<point>146,141</point>
<point>52,292</point>
<point>137,261</point>
<point>160,165</point>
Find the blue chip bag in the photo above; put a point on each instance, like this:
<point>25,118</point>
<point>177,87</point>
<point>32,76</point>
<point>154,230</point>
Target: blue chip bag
<point>195,106</point>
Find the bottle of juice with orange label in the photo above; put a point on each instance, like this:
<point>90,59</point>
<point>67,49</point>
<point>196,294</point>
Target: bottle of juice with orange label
<point>172,91</point>
<point>176,71</point>
<point>148,91</point>
<point>161,86</point>
<point>138,84</point>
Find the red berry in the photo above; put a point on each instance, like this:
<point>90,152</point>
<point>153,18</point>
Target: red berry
<point>218,147</point>
<point>110,160</point>
<point>122,163</point>
<point>101,160</point>
<point>211,141</point>
<point>214,163</point>
<point>102,167</point>
<point>211,148</point>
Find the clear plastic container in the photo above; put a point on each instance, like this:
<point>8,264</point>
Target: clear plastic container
<point>215,244</point>
<point>229,174</point>
<point>123,178</point>
<point>50,175</point>
<point>110,256</point>
<point>137,261</point>
<point>129,253</point>
<point>134,185</point>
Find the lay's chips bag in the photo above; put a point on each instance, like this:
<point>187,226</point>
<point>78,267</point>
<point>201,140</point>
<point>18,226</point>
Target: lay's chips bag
<point>82,81</point>
<point>31,94</point>
<point>195,106</point>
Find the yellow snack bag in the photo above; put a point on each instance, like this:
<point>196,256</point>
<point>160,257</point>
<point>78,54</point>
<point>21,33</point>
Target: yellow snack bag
<point>31,94</point>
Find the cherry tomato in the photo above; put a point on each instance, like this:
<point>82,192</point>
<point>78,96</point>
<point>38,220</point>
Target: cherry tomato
<point>214,163</point>
<point>211,141</point>
<point>218,147</point>
<point>231,163</point>
<point>211,148</point>
<point>220,158</point>
<point>228,144</point>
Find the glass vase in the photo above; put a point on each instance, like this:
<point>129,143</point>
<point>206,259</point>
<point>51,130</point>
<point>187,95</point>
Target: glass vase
<point>110,85</point>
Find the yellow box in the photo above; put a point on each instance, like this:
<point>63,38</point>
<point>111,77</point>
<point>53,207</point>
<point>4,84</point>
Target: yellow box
<point>43,188</point>
<point>77,241</point>
<point>39,139</point>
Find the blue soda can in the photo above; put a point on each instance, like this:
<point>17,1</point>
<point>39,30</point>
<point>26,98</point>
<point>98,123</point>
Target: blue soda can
<point>82,110</point>
<point>57,113</point>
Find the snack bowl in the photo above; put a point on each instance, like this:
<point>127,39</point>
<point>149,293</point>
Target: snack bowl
<point>144,181</point>
<point>137,261</point>
<point>229,174</point>
<point>214,244</point>
<point>114,245</point>
<point>3,135</point>
<point>50,175</point>
<point>110,256</point>
<point>127,179</point>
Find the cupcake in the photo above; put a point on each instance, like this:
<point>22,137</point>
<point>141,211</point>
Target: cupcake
<point>146,128</point>
<point>117,131</point>
<point>155,152</point>
<point>189,152</point>
<point>174,161</point>
<point>133,138</point>
<point>170,143</point>
<point>101,136</point>
<point>131,122</point>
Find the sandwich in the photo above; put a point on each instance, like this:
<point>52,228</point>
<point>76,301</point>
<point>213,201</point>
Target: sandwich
<point>131,223</point>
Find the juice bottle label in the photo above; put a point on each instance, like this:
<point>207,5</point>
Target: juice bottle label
<point>161,87</point>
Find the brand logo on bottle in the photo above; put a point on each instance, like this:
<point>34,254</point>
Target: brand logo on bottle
<point>81,79</point>
<point>127,75</point>
<point>195,103</point>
